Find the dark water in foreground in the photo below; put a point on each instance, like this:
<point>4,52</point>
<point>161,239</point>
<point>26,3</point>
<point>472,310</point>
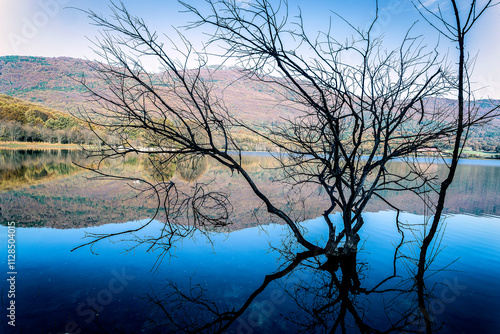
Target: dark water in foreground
<point>59,291</point>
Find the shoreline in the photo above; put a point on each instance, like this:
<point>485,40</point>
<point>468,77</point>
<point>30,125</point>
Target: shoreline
<point>16,145</point>
<point>13,145</point>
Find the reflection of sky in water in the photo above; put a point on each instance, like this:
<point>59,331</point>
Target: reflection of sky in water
<point>52,281</point>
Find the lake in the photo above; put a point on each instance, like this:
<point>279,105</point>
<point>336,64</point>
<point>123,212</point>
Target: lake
<point>249,278</point>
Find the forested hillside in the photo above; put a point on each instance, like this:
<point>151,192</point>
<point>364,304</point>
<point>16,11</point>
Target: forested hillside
<point>47,81</point>
<point>54,83</point>
<point>29,122</point>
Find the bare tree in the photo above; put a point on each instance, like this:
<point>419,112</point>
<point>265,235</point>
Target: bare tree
<point>454,28</point>
<point>353,116</point>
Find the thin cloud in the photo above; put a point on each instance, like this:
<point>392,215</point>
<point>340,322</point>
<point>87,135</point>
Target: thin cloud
<point>434,5</point>
<point>243,3</point>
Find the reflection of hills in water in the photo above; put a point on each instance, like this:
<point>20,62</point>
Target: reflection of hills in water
<point>27,167</point>
<point>62,196</point>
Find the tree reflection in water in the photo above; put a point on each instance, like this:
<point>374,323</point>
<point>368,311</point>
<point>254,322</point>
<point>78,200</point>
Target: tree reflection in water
<point>309,293</point>
<point>190,168</point>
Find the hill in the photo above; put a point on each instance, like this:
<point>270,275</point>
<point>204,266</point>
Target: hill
<point>29,122</point>
<point>52,82</point>
<point>47,81</point>
<point>24,112</point>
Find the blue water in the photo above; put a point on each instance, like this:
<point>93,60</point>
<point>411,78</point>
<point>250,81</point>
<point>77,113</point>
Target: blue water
<point>55,287</point>
<point>60,291</point>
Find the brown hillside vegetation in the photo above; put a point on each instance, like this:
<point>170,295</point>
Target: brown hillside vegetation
<point>24,112</point>
<point>55,83</point>
<point>22,121</point>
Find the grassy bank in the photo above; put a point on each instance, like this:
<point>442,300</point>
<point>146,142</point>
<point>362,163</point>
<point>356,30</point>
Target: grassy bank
<point>36,146</point>
<point>15,145</point>
<point>479,154</point>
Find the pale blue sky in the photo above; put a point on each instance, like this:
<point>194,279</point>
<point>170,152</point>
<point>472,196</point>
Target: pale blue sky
<point>50,28</point>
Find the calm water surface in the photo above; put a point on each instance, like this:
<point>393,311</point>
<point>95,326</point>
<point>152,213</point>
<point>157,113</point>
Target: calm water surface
<point>58,291</point>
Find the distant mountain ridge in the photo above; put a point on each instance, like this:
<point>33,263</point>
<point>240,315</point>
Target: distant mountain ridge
<point>47,81</point>
<point>52,82</point>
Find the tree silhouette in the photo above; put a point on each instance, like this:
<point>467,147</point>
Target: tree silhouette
<point>353,115</point>
<point>454,29</point>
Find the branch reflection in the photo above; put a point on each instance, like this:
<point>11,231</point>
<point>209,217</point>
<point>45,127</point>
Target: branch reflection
<point>308,293</point>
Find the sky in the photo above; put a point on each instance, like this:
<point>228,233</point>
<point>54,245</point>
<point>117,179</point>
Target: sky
<point>52,28</point>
